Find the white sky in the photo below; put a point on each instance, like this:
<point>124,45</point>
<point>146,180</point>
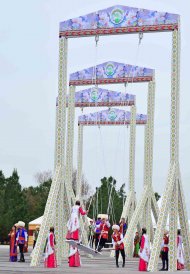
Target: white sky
<point>28,88</point>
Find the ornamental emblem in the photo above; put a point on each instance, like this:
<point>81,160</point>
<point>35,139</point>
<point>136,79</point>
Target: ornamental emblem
<point>117,15</point>
<point>110,69</point>
<point>94,95</point>
<point>112,115</point>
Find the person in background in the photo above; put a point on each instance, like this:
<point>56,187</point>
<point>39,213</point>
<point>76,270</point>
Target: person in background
<point>117,240</point>
<point>21,239</point>
<point>97,231</point>
<point>144,251</point>
<point>180,252</point>
<point>50,256</point>
<point>35,235</point>
<point>104,228</point>
<point>13,246</point>
<point>123,226</point>
<point>164,252</point>
<point>91,234</point>
<point>136,245</point>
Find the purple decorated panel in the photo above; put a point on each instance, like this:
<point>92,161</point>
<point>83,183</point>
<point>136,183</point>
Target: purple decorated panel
<point>119,17</point>
<point>111,69</point>
<point>93,97</point>
<point>99,95</point>
<point>88,21</point>
<point>110,116</point>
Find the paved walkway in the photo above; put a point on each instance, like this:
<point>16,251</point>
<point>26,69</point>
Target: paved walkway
<point>101,264</point>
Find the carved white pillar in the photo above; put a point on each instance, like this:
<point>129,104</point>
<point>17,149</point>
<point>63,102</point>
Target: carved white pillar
<point>50,209</point>
<point>79,161</point>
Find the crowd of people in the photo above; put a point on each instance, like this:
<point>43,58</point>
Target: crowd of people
<point>99,233</point>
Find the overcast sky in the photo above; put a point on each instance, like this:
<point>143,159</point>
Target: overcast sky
<point>28,88</point>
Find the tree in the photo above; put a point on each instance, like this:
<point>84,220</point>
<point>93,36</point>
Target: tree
<point>13,206</point>
<point>36,197</point>
<point>2,207</point>
<point>108,200</point>
<point>28,203</point>
<point>44,176</point>
<point>86,189</point>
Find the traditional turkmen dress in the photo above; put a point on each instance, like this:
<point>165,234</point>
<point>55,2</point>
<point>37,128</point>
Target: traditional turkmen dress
<point>13,246</point>
<point>180,253</point>
<point>73,234</point>
<point>50,256</point>
<point>144,253</point>
<point>136,246</point>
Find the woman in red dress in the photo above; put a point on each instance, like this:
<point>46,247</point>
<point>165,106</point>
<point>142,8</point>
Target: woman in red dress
<point>50,257</point>
<point>73,233</point>
<point>13,246</point>
<point>180,252</point>
<point>144,251</point>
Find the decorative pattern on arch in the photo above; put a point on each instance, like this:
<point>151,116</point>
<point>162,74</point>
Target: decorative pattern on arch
<point>111,72</point>
<point>99,97</point>
<point>111,116</point>
<point>117,20</point>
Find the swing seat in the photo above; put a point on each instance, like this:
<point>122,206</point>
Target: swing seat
<point>84,248</point>
<point>108,249</point>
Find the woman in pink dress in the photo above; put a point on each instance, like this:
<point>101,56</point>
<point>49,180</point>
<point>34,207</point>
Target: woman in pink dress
<point>73,233</point>
<point>180,254</point>
<point>144,251</point>
<point>50,257</point>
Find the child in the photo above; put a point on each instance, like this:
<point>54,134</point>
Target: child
<point>117,239</point>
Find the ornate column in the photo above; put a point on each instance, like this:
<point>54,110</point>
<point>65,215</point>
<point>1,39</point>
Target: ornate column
<point>79,161</point>
<point>149,137</point>
<point>70,143</point>
<point>59,159</point>
<point>130,200</point>
<point>132,149</point>
<point>174,151</point>
<point>173,197</point>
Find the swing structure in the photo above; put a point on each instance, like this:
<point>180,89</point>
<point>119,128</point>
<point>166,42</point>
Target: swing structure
<point>120,73</point>
<point>111,21</point>
<point>97,97</point>
<point>112,117</point>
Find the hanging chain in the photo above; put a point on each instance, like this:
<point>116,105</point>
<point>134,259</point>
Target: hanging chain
<point>96,54</point>
<point>140,37</point>
<point>96,39</point>
<point>125,85</point>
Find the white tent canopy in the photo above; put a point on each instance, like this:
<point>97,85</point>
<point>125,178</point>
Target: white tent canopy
<point>39,220</point>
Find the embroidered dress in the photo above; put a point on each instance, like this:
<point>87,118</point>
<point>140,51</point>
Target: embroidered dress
<point>74,257</point>
<point>50,257</point>
<point>144,253</point>
<point>180,253</point>
<point>13,246</point>
<point>73,223</point>
<point>136,247</point>
<point>73,234</point>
